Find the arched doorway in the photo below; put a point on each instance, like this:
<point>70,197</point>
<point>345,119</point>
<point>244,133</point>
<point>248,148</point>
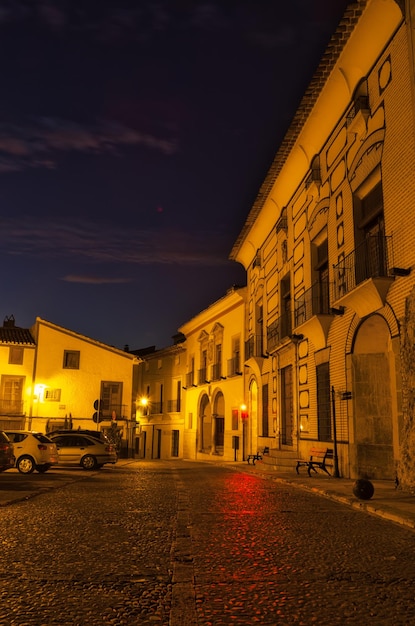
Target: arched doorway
<point>205,425</point>
<point>219,423</point>
<point>373,413</point>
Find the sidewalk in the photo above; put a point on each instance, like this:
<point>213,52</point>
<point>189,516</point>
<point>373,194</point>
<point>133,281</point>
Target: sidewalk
<point>387,502</point>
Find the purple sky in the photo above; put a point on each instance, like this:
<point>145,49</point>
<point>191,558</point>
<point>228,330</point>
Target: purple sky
<point>134,136</point>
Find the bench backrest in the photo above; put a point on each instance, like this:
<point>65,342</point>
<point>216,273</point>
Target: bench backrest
<point>321,453</point>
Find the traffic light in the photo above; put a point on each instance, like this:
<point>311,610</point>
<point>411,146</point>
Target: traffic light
<point>97,416</point>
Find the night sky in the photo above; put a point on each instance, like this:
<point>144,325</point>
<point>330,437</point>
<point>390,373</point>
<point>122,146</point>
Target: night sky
<point>134,137</point>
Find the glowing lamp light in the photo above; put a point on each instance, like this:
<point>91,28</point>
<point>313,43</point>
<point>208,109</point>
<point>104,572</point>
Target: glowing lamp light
<point>144,403</point>
<point>39,391</point>
<point>244,412</point>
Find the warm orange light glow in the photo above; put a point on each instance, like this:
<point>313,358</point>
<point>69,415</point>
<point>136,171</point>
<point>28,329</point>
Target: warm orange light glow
<point>39,391</point>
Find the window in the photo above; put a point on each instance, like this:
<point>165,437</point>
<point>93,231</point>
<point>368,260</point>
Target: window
<point>259,329</point>
<point>285,302</point>
<point>235,416</point>
<point>11,399</point>
<point>217,366</point>
<point>320,294</point>
<point>265,431</point>
<point>190,376</point>
<point>175,443</point>
<point>52,395</point>
<point>71,359</point>
<point>16,355</point>
<point>371,254</point>
<point>178,395</point>
<point>111,398</point>
<point>323,402</point>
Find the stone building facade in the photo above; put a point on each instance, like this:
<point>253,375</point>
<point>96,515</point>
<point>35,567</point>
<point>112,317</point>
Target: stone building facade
<point>328,247</point>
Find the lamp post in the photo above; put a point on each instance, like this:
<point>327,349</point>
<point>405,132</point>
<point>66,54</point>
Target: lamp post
<point>144,403</point>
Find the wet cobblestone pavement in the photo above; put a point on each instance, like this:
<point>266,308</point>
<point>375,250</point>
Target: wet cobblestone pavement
<point>193,544</point>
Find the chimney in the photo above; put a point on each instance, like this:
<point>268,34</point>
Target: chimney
<point>8,321</point>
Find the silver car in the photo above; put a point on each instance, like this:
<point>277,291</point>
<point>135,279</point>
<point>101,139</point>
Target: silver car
<point>83,450</point>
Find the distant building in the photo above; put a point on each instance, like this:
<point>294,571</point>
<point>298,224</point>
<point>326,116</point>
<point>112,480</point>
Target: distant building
<point>214,383</point>
<point>159,402</point>
<point>52,378</point>
<point>17,358</point>
<point>329,251</point>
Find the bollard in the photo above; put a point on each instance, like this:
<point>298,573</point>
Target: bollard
<point>363,489</point>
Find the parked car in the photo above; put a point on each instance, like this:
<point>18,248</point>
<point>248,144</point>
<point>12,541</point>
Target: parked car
<point>6,452</point>
<point>76,448</point>
<point>97,434</point>
<point>33,451</point>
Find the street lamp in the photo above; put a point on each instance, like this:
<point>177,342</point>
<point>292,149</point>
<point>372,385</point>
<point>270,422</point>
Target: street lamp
<point>144,405</point>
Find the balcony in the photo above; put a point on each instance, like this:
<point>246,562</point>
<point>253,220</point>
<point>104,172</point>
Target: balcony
<point>279,330</point>
<point>362,279</point>
<point>11,407</point>
<point>202,377</point>
<point>190,380</point>
<point>174,406</point>
<point>234,366</point>
<point>254,347</point>
<point>112,411</point>
<point>312,314</point>
<point>216,371</point>
<point>155,408</point>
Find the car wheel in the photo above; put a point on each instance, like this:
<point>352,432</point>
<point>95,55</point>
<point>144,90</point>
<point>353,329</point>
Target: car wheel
<point>25,464</point>
<point>89,462</point>
<point>43,468</point>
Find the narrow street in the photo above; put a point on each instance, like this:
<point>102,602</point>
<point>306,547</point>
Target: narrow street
<point>193,544</point>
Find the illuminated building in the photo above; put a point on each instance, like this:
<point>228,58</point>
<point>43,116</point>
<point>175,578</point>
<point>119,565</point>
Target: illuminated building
<point>328,247</point>
<point>159,402</point>
<point>214,383</point>
<point>53,378</point>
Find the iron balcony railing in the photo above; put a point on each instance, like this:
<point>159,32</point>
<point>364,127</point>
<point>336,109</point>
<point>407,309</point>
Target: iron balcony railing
<point>11,407</point>
<point>314,301</point>
<point>234,366</point>
<point>190,379</point>
<point>174,406</point>
<point>279,330</point>
<point>155,408</point>
<point>371,259</point>
<point>202,376</point>
<point>254,346</point>
<point>216,371</point>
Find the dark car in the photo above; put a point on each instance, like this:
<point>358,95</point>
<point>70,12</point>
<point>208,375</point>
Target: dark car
<point>6,452</point>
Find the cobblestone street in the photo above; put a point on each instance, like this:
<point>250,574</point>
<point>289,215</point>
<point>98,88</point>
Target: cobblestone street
<point>188,544</point>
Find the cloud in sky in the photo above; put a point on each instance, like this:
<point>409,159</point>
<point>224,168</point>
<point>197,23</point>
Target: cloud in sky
<point>111,22</point>
<point>38,143</point>
<point>95,280</point>
<point>89,242</point>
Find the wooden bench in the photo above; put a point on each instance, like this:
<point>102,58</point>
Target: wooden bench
<point>258,456</point>
<point>319,458</point>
